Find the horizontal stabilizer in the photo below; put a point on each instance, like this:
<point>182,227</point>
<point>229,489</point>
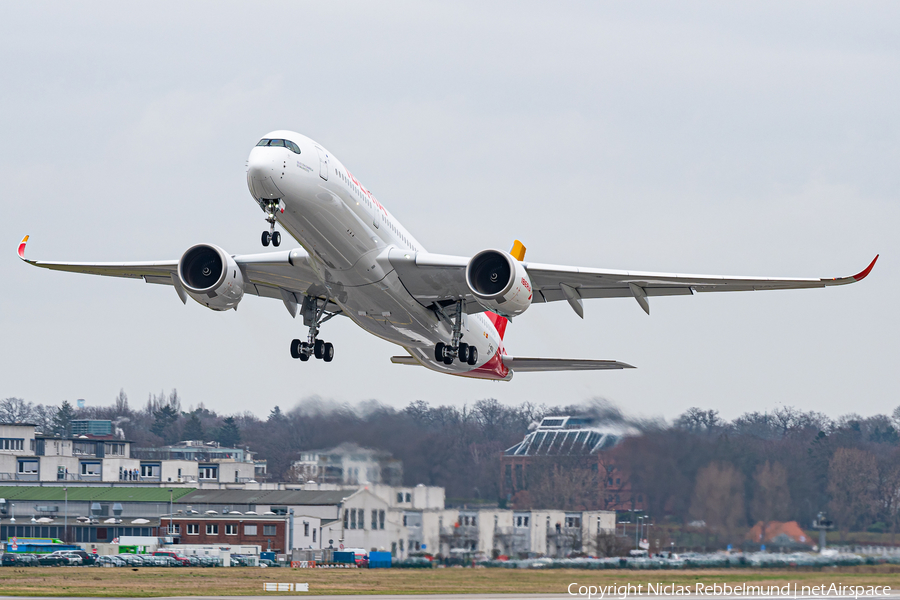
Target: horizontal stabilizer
<point>522,364</point>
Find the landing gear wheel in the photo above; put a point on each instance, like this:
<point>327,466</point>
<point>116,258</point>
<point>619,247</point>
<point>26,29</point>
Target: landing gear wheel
<point>276,238</point>
<point>319,349</point>
<point>473,355</point>
<point>304,351</point>
<point>439,352</point>
<point>295,348</point>
<point>328,352</point>
<point>463,353</point>
<point>265,238</point>
<point>448,360</point>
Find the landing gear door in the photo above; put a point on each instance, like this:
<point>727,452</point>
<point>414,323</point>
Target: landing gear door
<point>323,164</point>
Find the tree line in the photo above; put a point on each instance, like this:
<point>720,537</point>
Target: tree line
<point>786,464</point>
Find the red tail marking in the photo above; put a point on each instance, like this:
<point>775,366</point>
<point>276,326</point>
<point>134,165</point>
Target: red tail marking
<point>498,322</point>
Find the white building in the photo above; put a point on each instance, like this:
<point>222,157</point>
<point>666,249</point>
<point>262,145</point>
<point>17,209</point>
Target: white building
<point>348,464</point>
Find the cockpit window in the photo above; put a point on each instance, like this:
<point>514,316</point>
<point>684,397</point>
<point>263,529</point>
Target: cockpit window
<point>280,143</point>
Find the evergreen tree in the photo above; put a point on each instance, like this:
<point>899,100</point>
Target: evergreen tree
<point>228,435</point>
<point>164,420</point>
<point>62,421</point>
<point>193,428</point>
<point>276,416</point>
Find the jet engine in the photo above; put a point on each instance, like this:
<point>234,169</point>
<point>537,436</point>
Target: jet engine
<point>500,282</point>
<point>211,277</point>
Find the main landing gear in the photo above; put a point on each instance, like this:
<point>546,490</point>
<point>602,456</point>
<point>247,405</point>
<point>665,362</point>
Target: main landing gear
<point>446,353</point>
<point>271,207</point>
<point>314,314</point>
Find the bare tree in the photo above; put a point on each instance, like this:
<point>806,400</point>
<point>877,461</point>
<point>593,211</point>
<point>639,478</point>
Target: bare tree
<point>719,498</point>
<point>16,410</point>
<point>852,484</point>
<point>771,496</point>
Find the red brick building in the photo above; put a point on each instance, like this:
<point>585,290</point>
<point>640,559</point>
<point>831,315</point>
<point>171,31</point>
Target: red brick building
<point>269,532</point>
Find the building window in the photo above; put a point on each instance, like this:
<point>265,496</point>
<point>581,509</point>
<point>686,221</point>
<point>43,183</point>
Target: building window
<point>314,535</point>
<point>270,530</point>
<point>374,519</point>
<point>352,518</point>
<point>212,529</point>
<point>404,520</point>
<point>380,519</point>
<point>361,519</point>
<point>209,472</point>
<point>13,444</point>
<point>249,529</point>
<point>114,449</point>
<point>231,529</point>
<point>408,497</point>
<point>346,517</point>
<point>91,469</point>
<point>28,467</point>
<point>573,522</point>
<point>305,529</point>
<point>150,470</point>
<point>84,449</point>
<point>399,496</point>
<point>193,529</point>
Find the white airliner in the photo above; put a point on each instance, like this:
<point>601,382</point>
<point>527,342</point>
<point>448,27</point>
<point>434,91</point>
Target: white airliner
<point>448,312</point>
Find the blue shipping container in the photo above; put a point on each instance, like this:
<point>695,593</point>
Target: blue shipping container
<point>379,560</point>
<point>345,557</point>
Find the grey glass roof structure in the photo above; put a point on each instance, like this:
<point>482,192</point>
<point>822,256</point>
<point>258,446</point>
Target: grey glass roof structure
<point>565,436</point>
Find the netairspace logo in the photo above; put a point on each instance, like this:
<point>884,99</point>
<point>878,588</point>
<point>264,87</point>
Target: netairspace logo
<point>834,590</point>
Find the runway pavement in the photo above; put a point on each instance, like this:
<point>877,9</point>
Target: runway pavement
<point>893,594</point>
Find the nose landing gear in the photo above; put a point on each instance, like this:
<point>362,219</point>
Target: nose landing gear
<point>271,207</point>
<point>446,353</point>
<point>314,314</point>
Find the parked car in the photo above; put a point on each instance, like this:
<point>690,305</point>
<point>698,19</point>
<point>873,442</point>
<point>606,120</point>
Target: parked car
<point>53,560</point>
<point>72,558</point>
<point>110,561</point>
<point>86,557</point>
<point>132,560</point>
<point>27,560</point>
<point>179,558</point>
<point>8,559</point>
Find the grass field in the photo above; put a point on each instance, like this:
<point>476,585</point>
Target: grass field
<point>76,581</point>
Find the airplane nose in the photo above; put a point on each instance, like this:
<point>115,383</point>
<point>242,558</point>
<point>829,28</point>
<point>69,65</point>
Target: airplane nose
<point>261,170</point>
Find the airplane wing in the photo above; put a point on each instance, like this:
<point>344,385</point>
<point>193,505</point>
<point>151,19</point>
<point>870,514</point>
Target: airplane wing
<point>266,275</point>
<point>441,279</point>
<point>524,364</point>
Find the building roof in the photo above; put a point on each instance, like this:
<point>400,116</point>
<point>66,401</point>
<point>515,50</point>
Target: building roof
<point>90,493</point>
<point>277,497</point>
<point>565,435</point>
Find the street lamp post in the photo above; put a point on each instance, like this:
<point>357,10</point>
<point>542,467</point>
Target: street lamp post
<point>66,517</point>
<point>171,524</point>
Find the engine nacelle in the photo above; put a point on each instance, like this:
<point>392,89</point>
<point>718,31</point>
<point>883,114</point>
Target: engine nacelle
<point>211,277</point>
<point>500,282</point>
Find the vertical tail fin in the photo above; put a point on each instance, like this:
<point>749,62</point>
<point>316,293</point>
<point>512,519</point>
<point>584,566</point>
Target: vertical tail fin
<point>500,323</point>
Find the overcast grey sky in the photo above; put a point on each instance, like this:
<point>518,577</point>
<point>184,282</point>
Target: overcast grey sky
<point>727,138</point>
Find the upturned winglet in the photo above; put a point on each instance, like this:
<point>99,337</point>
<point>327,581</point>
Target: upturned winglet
<point>22,248</point>
<point>862,274</point>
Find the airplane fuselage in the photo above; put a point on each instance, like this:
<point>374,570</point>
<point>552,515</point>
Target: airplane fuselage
<point>350,236</point>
